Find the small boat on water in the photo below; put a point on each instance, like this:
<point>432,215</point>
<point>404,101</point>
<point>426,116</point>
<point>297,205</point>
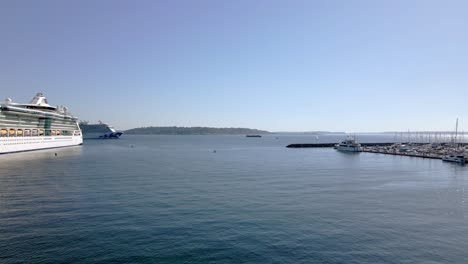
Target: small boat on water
<point>349,145</point>
<point>460,159</point>
<point>257,136</point>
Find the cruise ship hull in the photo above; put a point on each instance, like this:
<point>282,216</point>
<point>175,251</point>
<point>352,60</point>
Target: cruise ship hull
<point>20,144</point>
<point>99,131</point>
<point>110,135</point>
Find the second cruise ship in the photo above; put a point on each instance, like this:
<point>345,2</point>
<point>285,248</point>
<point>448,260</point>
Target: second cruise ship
<point>99,131</point>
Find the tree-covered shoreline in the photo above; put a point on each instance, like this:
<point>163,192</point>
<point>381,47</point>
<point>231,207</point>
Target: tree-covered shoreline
<point>192,131</point>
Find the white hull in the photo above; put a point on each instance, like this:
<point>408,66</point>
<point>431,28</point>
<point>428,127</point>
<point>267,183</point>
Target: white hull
<point>18,144</point>
<point>349,149</point>
<point>349,145</point>
<point>455,159</point>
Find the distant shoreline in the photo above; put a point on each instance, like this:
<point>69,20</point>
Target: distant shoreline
<point>193,131</point>
<point>249,131</point>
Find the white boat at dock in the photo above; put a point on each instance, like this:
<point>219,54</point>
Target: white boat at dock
<point>460,159</point>
<point>349,145</point>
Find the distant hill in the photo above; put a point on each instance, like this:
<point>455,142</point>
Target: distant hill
<point>311,132</point>
<point>192,131</point>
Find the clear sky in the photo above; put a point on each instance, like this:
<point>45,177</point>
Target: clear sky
<point>275,65</point>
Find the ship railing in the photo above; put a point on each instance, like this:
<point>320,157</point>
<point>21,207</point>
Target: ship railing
<point>31,132</point>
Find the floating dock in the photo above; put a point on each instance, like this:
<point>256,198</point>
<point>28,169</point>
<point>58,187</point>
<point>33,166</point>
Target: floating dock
<point>408,154</point>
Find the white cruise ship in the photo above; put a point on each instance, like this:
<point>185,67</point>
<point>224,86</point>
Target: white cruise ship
<point>36,125</point>
<point>99,131</point>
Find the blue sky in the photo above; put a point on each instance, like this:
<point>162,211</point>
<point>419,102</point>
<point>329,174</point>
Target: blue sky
<point>276,65</point>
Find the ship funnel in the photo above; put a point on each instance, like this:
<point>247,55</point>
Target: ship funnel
<point>40,100</point>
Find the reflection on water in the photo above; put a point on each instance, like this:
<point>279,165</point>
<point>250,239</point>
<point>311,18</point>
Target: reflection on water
<point>21,157</point>
<point>171,199</point>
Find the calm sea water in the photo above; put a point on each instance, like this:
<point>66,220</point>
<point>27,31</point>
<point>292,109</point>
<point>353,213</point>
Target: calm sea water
<point>172,199</point>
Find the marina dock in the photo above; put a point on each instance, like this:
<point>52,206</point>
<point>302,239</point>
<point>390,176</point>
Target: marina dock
<point>331,145</point>
<point>419,150</point>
